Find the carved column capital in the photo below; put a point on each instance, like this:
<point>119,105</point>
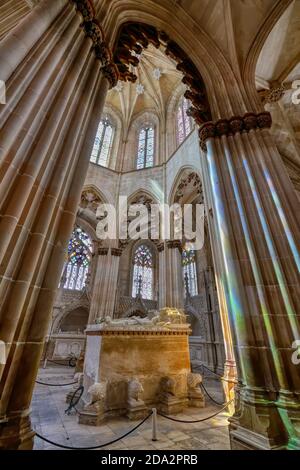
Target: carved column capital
<point>116,251</point>
<point>111,73</point>
<point>160,247</point>
<point>172,244</point>
<point>250,121</point>
<point>86,8</point>
<point>94,31</point>
<point>102,251</point>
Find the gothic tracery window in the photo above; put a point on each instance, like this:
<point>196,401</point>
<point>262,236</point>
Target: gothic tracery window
<point>103,143</point>
<point>142,282</point>
<point>79,258</point>
<point>145,153</point>
<point>184,122</point>
<point>189,272</point>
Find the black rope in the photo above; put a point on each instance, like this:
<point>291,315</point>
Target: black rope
<point>73,401</point>
<point>71,362</point>
<point>205,367</point>
<point>198,420</point>
<point>55,385</point>
<point>210,397</point>
<point>58,363</point>
<point>215,373</point>
<point>62,446</point>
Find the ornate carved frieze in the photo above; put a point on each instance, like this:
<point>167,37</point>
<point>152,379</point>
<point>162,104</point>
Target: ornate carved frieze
<point>138,332</point>
<point>93,30</point>
<point>134,38</point>
<point>249,121</point>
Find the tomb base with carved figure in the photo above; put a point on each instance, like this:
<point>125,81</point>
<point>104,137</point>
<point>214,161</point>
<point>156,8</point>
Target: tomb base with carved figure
<point>143,361</point>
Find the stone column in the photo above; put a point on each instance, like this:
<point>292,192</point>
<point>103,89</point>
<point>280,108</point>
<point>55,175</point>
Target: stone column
<point>255,219</point>
<point>161,275</point>
<point>170,271</point>
<point>113,281</point>
<point>230,373</point>
<point>105,285</point>
<point>56,88</point>
<point>98,286</point>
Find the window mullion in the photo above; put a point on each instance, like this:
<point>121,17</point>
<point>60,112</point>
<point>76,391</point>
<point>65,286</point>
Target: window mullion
<point>101,143</point>
<point>183,119</point>
<point>146,147</point>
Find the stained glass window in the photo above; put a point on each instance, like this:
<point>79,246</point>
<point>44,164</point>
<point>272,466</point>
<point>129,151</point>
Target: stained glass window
<point>184,122</point>
<point>145,154</point>
<point>143,273</point>
<point>79,258</point>
<point>189,272</point>
<point>103,143</point>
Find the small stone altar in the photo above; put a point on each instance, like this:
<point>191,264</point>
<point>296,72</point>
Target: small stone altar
<point>133,364</point>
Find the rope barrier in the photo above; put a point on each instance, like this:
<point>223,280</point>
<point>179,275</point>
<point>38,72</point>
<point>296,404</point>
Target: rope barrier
<point>210,397</point>
<point>215,373</point>
<point>56,385</point>
<point>62,446</point>
<point>198,420</point>
<point>80,389</point>
<point>73,401</point>
<point>205,367</point>
<point>58,363</point>
<point>71,362</point>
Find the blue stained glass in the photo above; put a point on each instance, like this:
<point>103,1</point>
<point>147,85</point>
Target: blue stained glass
<point>79,258</point>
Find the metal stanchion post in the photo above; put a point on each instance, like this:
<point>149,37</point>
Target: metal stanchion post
<point>154,424</point>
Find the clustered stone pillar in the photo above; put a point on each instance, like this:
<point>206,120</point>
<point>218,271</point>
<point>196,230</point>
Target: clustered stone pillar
<point>170,275</point>
<point>11,12</point>
<point>255,219</point>
<point>161,275</point>
<point>105,284</point>
<point>56,87</point>
<point>98,285</point>
<point>229,374</point>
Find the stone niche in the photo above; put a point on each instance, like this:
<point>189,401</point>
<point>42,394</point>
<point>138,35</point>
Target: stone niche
<point>136,364</point>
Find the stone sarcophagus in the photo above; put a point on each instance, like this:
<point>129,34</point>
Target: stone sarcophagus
<point>140,362</point>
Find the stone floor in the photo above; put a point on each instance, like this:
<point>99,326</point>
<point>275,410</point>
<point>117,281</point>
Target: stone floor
<point>49,419</point>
